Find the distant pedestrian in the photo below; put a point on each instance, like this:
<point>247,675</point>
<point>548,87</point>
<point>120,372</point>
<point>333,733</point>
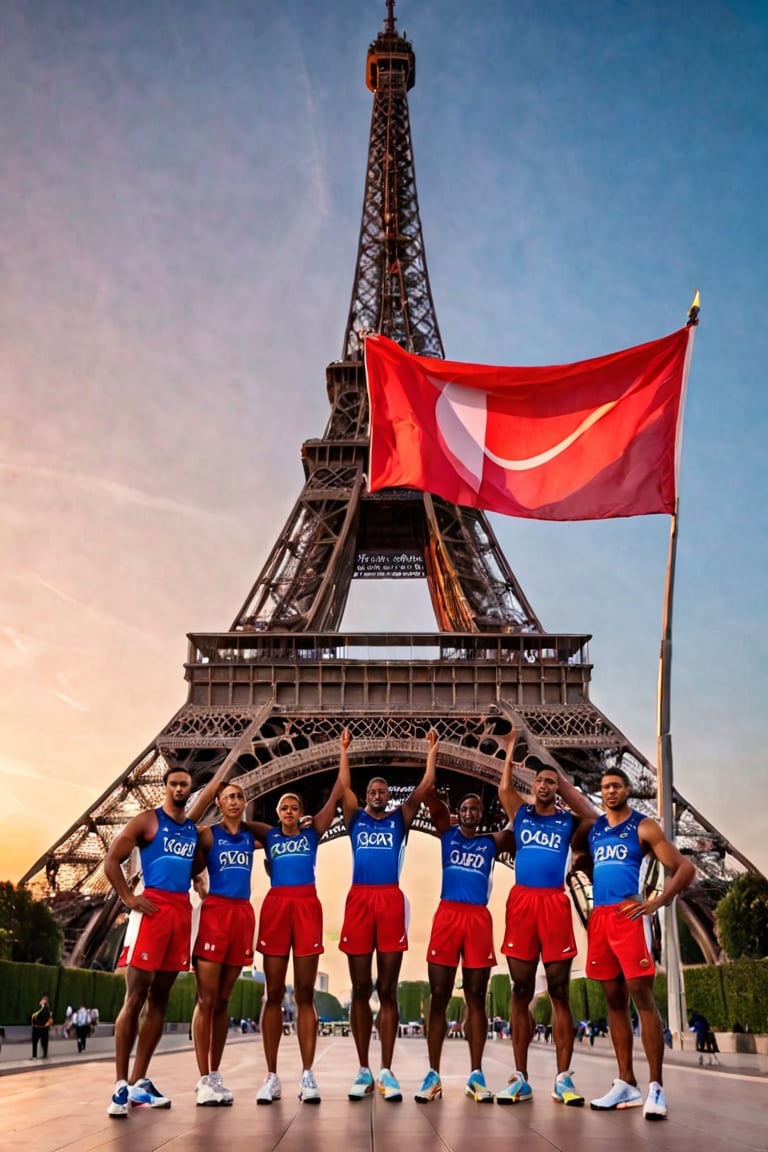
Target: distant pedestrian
<point>42,1020</point>
<point>82,1022</point>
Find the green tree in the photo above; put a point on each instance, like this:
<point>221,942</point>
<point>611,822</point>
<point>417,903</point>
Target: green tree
<point>28,928</point>
<point>742,917</point>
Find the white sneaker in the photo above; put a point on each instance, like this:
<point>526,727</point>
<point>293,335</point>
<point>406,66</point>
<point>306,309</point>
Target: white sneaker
<point>309,1093</point>
<point>655,1107</point>
<point>621,1095</point>
<point>206,1093</point>
<point>216,1080</point>
<point>270,1090</point>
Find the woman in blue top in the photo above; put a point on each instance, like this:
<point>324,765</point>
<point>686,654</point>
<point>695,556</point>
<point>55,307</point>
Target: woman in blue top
<point>224,941</point>
<point>292,918</point>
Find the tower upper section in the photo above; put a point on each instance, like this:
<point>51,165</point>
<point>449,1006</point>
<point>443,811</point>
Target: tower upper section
<point>391,292</point>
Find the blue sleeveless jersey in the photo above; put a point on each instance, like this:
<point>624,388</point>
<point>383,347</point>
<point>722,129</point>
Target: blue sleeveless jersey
<point>617,854</point>
<point>542,846</point>
<point>292,859</point>
<point>229,863</point>
<point>166,863</point>
<point>377,847</point>
<point>467,867</point>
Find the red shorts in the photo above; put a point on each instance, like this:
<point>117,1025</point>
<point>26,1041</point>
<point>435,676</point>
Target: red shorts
<point>461,932</point>
<point>538,923</point>
<point>375,919</point>
<point>225,932</point>
<point>617,946</point>
<point>291,918</point>
<point>159,943</point>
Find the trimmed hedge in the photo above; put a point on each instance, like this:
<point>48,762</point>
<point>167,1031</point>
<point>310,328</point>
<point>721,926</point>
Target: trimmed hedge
<point>22,985</point>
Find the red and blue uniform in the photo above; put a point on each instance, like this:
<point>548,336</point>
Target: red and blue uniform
<point>227,920</point>
<point>538,914</point>
<point>291,915</point>
<point>462,928</point>
<point>160,942</point>
<point>375,914</point>
<point>617,945</point>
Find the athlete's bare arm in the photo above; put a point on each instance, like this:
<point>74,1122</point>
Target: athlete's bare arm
<point>578,803</point>
<point>679,871</point>
<point>509,797</point>
<point>419,795</point>
<point>349,801</point>
<point>504,841</point>
<point>138,832</point>
<point>323,819</point>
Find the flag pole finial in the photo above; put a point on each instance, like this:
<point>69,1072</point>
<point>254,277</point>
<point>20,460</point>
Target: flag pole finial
<point>693,311</point>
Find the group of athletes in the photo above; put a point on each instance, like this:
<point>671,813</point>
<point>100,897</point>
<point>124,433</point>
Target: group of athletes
<point>217,859</point>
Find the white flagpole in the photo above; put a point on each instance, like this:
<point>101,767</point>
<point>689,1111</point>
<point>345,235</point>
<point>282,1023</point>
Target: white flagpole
<point>676,1005</point>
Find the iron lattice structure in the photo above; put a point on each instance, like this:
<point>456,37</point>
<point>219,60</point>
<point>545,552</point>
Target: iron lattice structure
<point>273,693</point>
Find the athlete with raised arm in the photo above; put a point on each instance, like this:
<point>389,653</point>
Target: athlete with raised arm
<point>539,920</point>
<point>462,931</point>
<point>375,918</point>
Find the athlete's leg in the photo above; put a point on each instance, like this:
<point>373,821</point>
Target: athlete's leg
<point>275,968</point>
<point>152,1026</point>
<point>220,1023</point>
<point>558,978</point>
<point>651,1027</point>
<point>620,1026</point>
<point>304,976</point>
<point>523,973</point>
<point>441,981</point>
<point>208,976</point>
<point>475,982</point>
<point>360,1015</point>
<point>137,983</point>
<point>387,975</point>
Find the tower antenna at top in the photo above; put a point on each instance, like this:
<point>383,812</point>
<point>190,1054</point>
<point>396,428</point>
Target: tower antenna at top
<point>391,21</point>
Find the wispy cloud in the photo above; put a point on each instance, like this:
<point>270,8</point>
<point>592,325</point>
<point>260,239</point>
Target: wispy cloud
<point>102,486</point>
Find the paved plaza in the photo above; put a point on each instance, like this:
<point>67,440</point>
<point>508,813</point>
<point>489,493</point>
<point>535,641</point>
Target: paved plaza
<point>61,1103</point>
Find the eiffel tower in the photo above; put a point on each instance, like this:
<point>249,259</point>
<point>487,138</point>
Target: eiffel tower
<point>271,695</point>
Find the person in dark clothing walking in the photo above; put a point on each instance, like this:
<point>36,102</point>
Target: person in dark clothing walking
<point>42,1020</point>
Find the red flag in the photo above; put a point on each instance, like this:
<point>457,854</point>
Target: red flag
<point>584,441</point>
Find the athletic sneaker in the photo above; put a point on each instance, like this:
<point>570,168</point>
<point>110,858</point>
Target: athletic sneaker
<point>216,1081</point>
<point>389,1087</point>
<point>270,1090</point>
<point>655,1107</point>
<point>565,1091</point>
<point>431,1089</point>
<point>621,1095</point>
<point>362,1086</point>
<point>144,1094</point>
<point>118,1105</point>
<point>207,1095</point>
<point>309,1092</point>
<point>517,1091</point>
<point>477,1088</point>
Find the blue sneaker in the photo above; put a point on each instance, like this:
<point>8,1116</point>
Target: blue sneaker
<point>143,1094</point>
<point>621,1095</point>
<point>389,1087</point>
<point>362,1086</point>
<point>119,1103</point>
<point>516,1092</point>
<point>477,1089</point>
<point>431,1089</point>
<point>565,1091</point>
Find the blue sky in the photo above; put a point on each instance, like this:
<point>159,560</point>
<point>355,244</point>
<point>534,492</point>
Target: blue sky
<point>179,218</point>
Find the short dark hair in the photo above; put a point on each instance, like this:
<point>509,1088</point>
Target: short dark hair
<point>170,771</point>
<point>471,796</point>
<point>616,772</point>
<point>376,780</point>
